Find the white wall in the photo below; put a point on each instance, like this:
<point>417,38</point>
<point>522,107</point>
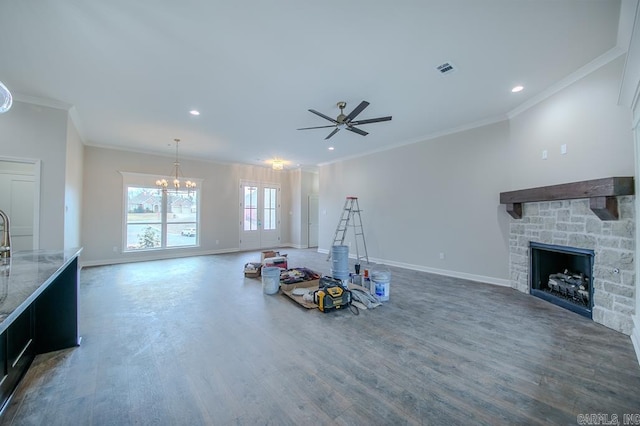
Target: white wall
<point>102,202</point>
<point>629,97</point>
<point>73,187</point>
<point>442,195</point>
<point>308,186</point>
<point>420,200</point>
<point>40,133</point>
<point>302,183</point>
<point>585,116</point>
<point>295,208</point>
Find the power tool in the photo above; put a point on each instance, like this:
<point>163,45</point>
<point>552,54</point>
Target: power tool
<point>331,295</point>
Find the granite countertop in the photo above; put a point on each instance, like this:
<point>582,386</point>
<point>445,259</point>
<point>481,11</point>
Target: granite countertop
<point>24,275</point>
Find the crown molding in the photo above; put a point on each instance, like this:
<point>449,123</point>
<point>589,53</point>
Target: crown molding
<point>45,102</point>
<point>431,136</point>
<point>630,86</point>
<point>575,76</point>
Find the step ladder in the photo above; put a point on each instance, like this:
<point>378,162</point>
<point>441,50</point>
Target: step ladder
<point>351,218</point>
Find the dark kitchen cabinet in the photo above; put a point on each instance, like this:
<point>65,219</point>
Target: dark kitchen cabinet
<point>17,351</point>
<point>39,311</point>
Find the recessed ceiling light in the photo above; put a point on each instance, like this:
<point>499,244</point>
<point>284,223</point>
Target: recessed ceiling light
<point>194,112</point>
<point>331,148</point>
<point>517,89</point>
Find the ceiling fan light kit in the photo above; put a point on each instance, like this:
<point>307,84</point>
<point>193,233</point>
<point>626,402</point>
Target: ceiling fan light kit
<point>346,121</point>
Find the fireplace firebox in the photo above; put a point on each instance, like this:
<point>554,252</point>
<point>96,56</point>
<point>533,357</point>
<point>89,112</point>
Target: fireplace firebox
<point>563,276</point>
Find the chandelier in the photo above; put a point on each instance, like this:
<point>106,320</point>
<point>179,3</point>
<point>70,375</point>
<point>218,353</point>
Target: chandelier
<point>5,98</point>
<point>163,184</point>
<point>277,164</point>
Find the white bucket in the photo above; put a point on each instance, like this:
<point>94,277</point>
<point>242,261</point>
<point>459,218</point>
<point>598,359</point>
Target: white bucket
<point>380,284</point>
<point>270,279</point>
<point>340,262</point>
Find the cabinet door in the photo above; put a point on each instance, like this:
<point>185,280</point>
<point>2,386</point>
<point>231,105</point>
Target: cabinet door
<point>5,386</point>
<point>56,312</point>
<point>20,346</point>
<point>18,352</point>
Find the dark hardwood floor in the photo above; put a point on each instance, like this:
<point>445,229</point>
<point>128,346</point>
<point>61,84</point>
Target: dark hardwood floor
<point>192,342</point>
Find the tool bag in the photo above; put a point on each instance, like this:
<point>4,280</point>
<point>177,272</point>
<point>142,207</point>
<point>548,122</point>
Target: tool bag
<point>331,295</point>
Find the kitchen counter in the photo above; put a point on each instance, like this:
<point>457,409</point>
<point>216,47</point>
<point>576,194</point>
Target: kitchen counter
<point>25,275</point>
<point>38,310</point>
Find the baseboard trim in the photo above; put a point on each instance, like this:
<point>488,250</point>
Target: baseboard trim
<point>445,272</point>
<point>635,335</point>
<point>155,256</point>
<point>166,255</point>
<point>295,246</point>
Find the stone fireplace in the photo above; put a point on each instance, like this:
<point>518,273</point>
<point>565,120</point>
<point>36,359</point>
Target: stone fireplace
<point>574,223</point>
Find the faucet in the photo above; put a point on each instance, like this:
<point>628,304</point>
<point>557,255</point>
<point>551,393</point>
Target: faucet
<point>5,241</point>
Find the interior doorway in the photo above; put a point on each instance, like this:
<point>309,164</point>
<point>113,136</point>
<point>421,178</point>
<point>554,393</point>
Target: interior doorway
<point>259,215</point>
<point>19,199</point>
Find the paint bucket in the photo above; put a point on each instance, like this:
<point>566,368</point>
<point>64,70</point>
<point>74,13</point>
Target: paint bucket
<point>340,262</point>
<point>270,279</point>
<point>380,284</point>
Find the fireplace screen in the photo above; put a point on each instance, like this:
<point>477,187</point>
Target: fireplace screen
<point>563,276</point>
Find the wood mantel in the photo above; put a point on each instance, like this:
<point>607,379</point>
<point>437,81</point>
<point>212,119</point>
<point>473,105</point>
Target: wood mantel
<point>601,193</point>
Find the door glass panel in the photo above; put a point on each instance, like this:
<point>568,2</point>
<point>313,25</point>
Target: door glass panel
<point>250,208</point>
<point>270,202</point>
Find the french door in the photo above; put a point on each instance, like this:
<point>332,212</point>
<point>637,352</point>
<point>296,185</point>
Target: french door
<point>259,215</point>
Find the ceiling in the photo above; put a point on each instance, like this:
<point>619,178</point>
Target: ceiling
<point>132,70</point>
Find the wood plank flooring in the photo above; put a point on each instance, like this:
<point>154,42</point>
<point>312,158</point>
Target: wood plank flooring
<point>192,342</point>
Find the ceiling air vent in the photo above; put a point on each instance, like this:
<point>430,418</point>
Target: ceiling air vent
<point>446,68</point>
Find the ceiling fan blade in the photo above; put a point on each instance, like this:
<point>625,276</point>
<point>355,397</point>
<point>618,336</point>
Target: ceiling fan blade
<point>356,111</point>
<point>332,133</point>
<point>317,127</point>
<point>358,131</point>
<point>371,120</point>
<point>326,117</point>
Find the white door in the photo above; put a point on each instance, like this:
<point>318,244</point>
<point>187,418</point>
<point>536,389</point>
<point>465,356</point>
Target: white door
<point>259,215</point>
<point>17,201</point>
<point>314,216</point>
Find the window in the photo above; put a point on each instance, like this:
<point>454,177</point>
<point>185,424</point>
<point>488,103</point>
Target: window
<point>158,220</point>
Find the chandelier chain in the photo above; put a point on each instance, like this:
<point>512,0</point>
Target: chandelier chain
<point>163,184</point>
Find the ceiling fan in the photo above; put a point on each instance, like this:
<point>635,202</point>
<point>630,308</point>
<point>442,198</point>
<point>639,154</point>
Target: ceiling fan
<point>346,121</point>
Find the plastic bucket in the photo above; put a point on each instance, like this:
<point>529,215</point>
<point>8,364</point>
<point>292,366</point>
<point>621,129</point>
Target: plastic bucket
<point>270,279</point>
<point>380,284</point>
<point>340,262</point>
